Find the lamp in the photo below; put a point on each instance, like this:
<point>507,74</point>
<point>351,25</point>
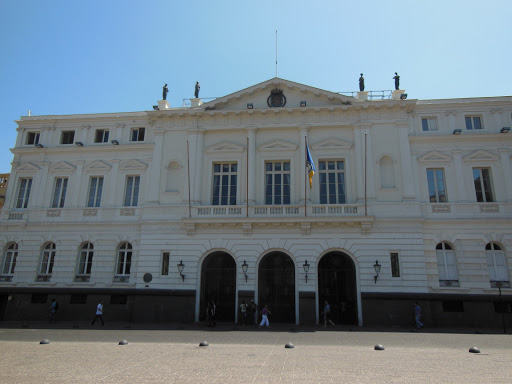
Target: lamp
<point>181,266</point>
<point>306,269</point>
<point>155,107</point>
<point>457,131</point>
<point>504,130</point>
<point>250,106</point>
<point>39,145</point>
<point>376,267</point>
<point>403,96</point>
<point>79,144</point>
<point>244,270</point>
<point>302,104</point>
<point>114,142</point>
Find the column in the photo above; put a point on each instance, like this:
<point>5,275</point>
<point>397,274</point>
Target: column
<point>459,171</point>
<point>196,142</point>
<point>251,134</point>
<point>75,186</point>
<point>507,172</point>
<point>359,165</point>
<point>112,184</point>
<point>405,158</point>
<point>156,168</point>
<point>304,133</point>
<point>39,186</point>
<point>370,166</point>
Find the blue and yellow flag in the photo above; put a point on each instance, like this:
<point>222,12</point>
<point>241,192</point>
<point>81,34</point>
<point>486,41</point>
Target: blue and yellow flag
<point>310,165</point>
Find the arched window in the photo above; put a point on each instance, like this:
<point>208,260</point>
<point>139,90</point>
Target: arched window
<point>85,261</point>
<point>446,263</point>
<point>124,259</point>
<point>387,173</point>
<point>496,262</point>
<point>11,253</point>
<point>47,259</point>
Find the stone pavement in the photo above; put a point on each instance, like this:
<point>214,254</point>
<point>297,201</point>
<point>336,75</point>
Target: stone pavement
<point>250,356</point>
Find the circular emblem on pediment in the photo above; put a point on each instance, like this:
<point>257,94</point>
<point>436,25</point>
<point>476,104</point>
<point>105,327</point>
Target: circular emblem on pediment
<point>276,98</point>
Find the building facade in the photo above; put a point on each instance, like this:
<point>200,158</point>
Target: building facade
<point>159,212</point>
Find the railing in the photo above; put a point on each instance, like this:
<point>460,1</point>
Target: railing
<point>316,210</point>
<point>386,94</point>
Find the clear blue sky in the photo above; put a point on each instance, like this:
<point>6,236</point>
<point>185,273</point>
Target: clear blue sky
<point>67,57</point>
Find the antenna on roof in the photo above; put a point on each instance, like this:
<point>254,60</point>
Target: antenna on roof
<point>276,52</point>
<point>29,112</point>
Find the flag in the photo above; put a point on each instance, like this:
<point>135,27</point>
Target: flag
<point>310,165</point>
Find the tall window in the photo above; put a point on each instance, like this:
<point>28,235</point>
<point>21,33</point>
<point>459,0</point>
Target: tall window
<point>395,264</point>
<point>95,189</point>
<point>165,263</point>
<point>277,182</point>
<point>124,259</point>
<point>131,195</point>
<point>429,124</point>
<point>67,137</point>
<point>224,184</point>
<point>473,122</point>
<point>436,185</point>
<point>332,181</point>
<point>446,262</point>
<point>24,193</point>
<point>59,192</point>
<point>47,259</point>
<point>138,134</point>
<point>101,136</point>
<point>496,262</point>
<point>483,186</point>
<point>11,253</point>
<point>85,261</point>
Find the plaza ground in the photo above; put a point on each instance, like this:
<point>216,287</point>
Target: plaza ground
<point>236,355</point>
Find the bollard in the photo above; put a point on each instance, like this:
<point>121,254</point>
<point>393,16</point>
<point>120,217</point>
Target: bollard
<point>123,342</point>
<point>289,345</point>
<point>379,347</point>
<point>203,344</point>
<point>44,341</point>
<point>474,350</point>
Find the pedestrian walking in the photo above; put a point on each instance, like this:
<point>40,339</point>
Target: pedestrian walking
<point>214,312</point>
<point>99,313</point>
<point>243,310</point>
<point>264,317</point>
<point>54,307</point>
<point>253,310</point>
<point>417,315</point>
<point>327,314</point>
<point>209,322</point>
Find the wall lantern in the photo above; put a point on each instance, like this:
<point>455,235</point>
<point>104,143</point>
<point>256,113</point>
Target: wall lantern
<point>303,104</point>
<point>306,269</point>
<point>114,142</point>
<point>244,270</point>
<point>505,130</point>
<point>79,144</point>
<point>38,145</point>
<point>457,131</point>
<point>403,96</point>
<point>376,267</point>
<point>181,266</point>
<point>250,106</point>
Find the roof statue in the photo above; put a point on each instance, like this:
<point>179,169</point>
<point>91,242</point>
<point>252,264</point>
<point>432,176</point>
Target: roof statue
<point>397,81</point>
<point>196,92</point>
<point>361,83</point>
<point>165,92</point>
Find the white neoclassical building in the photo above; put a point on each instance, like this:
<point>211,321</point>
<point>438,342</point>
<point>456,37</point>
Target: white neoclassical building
<point>158,212</point>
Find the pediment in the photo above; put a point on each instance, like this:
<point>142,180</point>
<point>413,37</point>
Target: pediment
<point>277,145</point>
<point>97,166</point>
<point>481,155</point>
<point>434,157</point>
<point>294,93</point>
<point>132,165</point>
<point>27,167</point>
<point>62,167</point>
<point>225,146</point>
<point>331,143</point>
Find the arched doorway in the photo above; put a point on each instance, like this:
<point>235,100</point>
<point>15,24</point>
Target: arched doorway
<point>276,286</point>
<point>337,285</point>
<point>218,283</point>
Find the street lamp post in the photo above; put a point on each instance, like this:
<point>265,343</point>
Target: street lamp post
<point>499,284</point>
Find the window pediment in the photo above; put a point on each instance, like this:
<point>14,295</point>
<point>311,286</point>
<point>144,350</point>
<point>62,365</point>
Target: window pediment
<point>133,165</point>
<point>434,157</point>
<point>480,155</point>
<point>277,145</point>
<point>224,147</point>
<point>62,167</point>
<point>27,168</point>
<point>331,143</point>
<point>97,166</point>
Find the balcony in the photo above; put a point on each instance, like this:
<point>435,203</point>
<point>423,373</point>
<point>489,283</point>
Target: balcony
<point>274,211</point>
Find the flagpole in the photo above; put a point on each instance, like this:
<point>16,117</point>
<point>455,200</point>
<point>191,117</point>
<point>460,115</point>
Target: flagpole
<point>247,184</point>
<point>188,169</point>
<point>305,176</point>
<point>365,160</point>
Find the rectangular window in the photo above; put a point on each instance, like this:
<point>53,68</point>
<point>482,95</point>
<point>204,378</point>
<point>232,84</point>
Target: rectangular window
<point>332,181</point>
<point>277,182</point>
<point>483,185</point>
<point>59,192</point>
<point>32,138</point>
<point>24,193</point>
<point>453,306</point>
<point>429,124</point>
<point>224,184</point>
<point>165,263</point>
<point>101,136</point>
<point>395,265</point>
<point>436,185</point>
<point>138,134</point>
<point>131,196</point>
<point>95,189</point>
<point>473,122</point>
<point>67,137</point>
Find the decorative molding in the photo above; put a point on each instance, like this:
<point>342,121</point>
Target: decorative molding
<point>53,212</point>
<point>277,145</point>
<point>133,165</point>
<point>489,208</point>
<point>90,212</point>
<point>305,229</point>
<point>434,157</point>
<point>225,147</point>
<point>247,228</point>
<point>190,228</point>
<point>62,167</point>
<point>26,168</point>
<point>480,156</point>
<point>441,208</point>
<point>97,166</point>
<point>331,143</point>
<point>127,212</point>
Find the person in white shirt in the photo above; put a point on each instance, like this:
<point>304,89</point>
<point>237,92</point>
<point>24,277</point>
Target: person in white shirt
<point>99,313</point>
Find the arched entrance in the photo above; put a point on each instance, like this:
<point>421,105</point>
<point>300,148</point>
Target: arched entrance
<point>218,283</point>
<point>337,285</point>
<point>276,286</point>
